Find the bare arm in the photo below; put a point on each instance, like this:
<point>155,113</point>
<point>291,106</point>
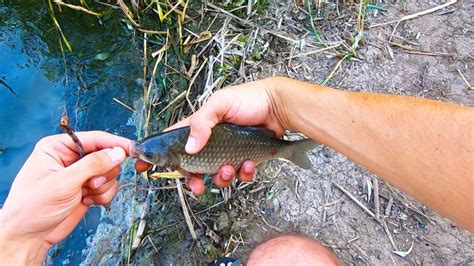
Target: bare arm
<point>423,147</point>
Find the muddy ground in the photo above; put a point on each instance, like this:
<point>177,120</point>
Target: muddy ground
<point>434,50</point>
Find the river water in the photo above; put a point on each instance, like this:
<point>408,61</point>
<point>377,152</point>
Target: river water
<point>105,64</point>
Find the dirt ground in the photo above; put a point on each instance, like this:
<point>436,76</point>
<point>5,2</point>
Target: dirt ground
<point>425,57</point>
<point>307,202</point>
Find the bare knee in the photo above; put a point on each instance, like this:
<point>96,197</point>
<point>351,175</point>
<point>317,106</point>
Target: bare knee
<point>291,250</point>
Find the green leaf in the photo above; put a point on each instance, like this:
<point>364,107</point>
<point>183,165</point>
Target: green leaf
<point>376,7</point>
<point>102,56</point>
<point>271,195</point>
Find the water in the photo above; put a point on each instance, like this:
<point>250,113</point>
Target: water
<point>21,123</point>
<point>32,64</point>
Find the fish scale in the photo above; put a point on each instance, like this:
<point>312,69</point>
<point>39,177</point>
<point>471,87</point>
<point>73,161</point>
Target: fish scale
<point>228,144</point>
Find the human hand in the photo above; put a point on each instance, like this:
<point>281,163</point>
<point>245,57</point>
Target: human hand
<point>54,189</point>
<point>247,104</point>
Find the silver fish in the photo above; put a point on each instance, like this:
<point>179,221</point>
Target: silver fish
<point>228,144</point>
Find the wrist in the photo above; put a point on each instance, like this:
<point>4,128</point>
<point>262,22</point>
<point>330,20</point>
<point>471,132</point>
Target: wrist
<point>301,106</point>
<point>275,89</point>
<point>18,250</point>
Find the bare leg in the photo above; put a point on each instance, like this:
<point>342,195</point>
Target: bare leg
<point>291,250</point>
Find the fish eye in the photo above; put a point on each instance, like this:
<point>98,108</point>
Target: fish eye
<point>148,155</point>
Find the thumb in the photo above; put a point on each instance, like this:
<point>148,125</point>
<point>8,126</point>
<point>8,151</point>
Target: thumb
<point>94,164</point>
<point>201,124</point>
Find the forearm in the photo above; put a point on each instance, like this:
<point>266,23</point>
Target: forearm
<point>423,147</point>
<point>15,251</point>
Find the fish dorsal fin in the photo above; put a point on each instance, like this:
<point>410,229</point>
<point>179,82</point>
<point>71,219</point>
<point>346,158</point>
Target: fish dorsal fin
<point>249,129</point>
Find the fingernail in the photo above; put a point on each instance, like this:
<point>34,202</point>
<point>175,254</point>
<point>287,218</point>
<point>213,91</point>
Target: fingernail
<point>191,144</point>
<point>88,201</point>
<point>248,169</point>
<point>226,175</point>
<point>98,181</point>
<point>116,154</point>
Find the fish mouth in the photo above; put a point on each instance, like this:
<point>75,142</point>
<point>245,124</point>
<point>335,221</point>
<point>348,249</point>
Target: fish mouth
<point>135,149</point>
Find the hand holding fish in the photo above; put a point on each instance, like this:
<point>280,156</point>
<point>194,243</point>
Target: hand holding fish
<point>53,191</point>
<point>248,104</point>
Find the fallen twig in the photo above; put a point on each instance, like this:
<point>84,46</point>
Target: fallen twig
<point>179,185</point>
<point>272,226</point>
<point>142,224</point>
<point>191,84</point>
<point>371,214</point>
<point>465,80</point>
<point>389,235</point>
<point>77,8</point>
<point>420,52</point>
<point>418,14</point>
<point>313,52</point>
<point>403,254</point>
<point>153,244</point>
<point>375,182</point>
<point>333,72</point>
<point>123,104</point>
<point>388,209</point>
<point>64,125</point>
<point>126,11</point>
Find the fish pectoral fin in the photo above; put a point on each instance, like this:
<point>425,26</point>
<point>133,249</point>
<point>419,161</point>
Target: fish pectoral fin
<point>299,153</point>
<point>184,172</point>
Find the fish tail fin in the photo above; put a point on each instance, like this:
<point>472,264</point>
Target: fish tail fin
<point>298,152</point>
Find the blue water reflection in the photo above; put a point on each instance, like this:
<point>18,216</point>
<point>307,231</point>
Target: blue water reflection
<point>28,117</point>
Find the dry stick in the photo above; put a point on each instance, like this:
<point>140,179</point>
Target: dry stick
<point>420,52</point>
<point>364,255</point>
<point>145,58</point>
<point>127,13</point>
<point>376,197</point>
<point>77,8</point>
<point>209,208</point>
<point>421,13</point>
<point>331,75</point>
<point>389,235</point>
<point>138,237</point>
<point>313,52</point>
<point>153,244</point>
<point>123,104</point>
<point>191,84</point>
<point>181,95</point>
<point>408,204</point>
<point>465,80</point>
<point>249,7</point>
<point>272,226</point>
<point>185,209</point>
<point>64,125</point>
<point>142,224</point>
<point>388,209</point>
<point>151,32</point>
<point>371,214</point>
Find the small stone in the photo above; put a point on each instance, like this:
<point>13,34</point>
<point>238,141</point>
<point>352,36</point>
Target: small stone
<point>223,221</point>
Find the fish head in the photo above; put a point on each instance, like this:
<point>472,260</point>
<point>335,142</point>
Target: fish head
<point>153,151</point>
